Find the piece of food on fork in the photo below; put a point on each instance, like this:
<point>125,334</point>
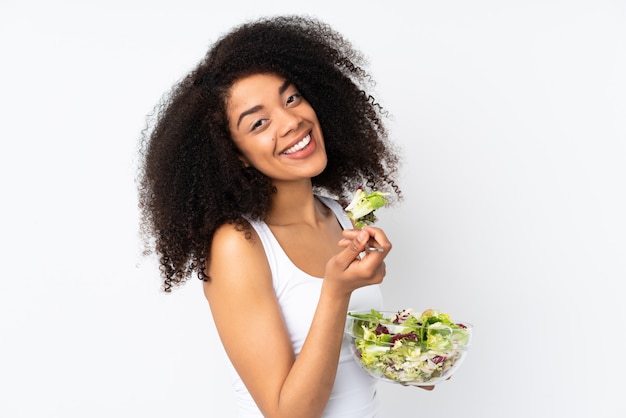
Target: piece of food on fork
<point>362,207</point>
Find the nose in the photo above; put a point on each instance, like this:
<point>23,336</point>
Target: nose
<point>288,120</point>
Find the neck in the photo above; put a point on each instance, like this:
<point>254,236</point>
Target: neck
<point>295,203</point>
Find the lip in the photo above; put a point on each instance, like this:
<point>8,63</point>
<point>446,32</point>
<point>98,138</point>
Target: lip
<point>307,150</point>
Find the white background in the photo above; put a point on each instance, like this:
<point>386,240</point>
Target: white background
<point>512,120</point>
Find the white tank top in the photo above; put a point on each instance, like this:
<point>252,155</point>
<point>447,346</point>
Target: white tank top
<point>354,392</point>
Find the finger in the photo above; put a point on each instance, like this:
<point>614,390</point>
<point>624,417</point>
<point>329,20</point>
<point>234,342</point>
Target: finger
<point>344,242</point>
<point>352,248</point>
<point>371,245</point>
<point>359,242</point>
<point>378,238</point>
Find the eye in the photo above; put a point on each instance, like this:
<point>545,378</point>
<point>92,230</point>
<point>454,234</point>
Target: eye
<point>256,125</point>
<point>294,99</point>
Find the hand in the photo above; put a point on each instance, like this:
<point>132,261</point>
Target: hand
<point>349,270</point>
<point>376,240</point>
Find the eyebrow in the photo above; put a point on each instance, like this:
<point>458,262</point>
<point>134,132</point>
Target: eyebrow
<point>254,109</point>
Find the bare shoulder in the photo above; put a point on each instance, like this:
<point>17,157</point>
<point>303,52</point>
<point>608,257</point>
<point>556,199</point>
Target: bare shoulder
<point>237,261</point>
<point>229,238</point>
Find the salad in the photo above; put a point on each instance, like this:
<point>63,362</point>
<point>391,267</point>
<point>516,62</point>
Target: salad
<point>361,208</point>
<point>408,347</point>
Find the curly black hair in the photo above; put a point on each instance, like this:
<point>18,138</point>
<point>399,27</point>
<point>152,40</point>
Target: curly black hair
<point>191,180</point>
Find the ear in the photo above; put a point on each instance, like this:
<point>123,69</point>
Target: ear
<point>244,160</point>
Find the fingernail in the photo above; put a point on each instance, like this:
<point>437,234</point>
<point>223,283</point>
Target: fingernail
<point>362,237</point>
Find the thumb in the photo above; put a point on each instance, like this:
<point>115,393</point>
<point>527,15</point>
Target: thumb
<point>356,247</point>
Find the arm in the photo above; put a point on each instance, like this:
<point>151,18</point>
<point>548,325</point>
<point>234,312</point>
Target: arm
<point>250,324</point>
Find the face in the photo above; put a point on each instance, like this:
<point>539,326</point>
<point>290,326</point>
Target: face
<point>275,128</point>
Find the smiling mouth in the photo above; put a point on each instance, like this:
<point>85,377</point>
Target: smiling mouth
<point>300,145</point>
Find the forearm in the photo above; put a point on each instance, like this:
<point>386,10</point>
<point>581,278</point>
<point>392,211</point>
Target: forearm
<point>309,382</point>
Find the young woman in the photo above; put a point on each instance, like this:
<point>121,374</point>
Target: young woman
<point>244,177</point>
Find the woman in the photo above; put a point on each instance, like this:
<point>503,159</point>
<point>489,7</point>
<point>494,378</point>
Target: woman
<point>243,179</point>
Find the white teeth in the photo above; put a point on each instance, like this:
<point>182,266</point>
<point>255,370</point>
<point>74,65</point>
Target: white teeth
<point>305,141</point>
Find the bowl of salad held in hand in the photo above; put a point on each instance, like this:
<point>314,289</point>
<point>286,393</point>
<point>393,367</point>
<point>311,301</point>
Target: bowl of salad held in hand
<point>407,347</point>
